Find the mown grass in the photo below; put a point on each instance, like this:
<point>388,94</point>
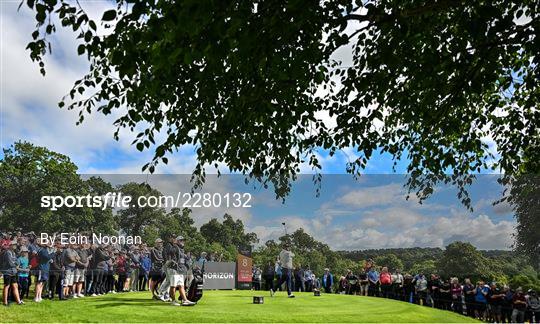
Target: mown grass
<point>227,306</point>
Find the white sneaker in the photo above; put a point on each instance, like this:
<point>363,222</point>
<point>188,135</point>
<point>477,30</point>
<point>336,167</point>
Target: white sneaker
<point>75,296</point>
<point>80,295</point>
<point>291,296</point>
<point>188,303</point>
<point>175,303</point>
<point>94,295</point>
<point>37,300</point>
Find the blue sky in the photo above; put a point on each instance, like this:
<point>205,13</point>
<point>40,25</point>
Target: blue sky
<point>368,213</point>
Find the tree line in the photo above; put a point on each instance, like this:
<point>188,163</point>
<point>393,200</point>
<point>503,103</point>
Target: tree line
<point>27,172</point>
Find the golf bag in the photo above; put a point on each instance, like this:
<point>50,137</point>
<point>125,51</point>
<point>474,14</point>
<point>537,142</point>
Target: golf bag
<point>195,291</point>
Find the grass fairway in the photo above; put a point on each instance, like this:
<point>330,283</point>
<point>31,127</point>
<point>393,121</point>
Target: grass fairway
<point>227,306</point>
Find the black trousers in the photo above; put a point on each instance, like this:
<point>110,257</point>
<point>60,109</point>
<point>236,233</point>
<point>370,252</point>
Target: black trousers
<point>143,279</point>
<point>98,284</point>
<point>55,284</point>
<point>286,276</point>
<point>268,282</point>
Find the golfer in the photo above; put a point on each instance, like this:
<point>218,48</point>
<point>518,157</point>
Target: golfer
<point>286,260</point>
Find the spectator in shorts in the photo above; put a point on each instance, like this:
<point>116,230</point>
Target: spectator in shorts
<point>70,260</point>
<point>177,271</point>
<point>44,262</point>
<point>10,262</point>
<point>24,273</point>
<point>80,270</point>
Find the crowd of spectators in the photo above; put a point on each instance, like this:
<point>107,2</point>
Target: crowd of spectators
<point>486,301</point>
<point>80,270</point>
<point>70,271</point>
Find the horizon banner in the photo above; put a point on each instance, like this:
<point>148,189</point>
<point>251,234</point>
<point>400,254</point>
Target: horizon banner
<point>219,275</point>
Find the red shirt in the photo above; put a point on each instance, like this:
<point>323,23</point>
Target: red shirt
<point>385,278</point>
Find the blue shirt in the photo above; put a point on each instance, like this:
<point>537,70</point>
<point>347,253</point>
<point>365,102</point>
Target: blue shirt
<point>23,264</point>
<point>146,263</point>
<point>44,259</point>
<point>480,297</point>
<point>373,275</point>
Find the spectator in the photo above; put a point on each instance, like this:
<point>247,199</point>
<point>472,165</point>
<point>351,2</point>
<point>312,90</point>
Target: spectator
<point>24,273</point>
<point>327,281</point>
<point>480,298</point>
<point>70,260</point>
<point>385,280</point>
<point>80,269</point>
<point>469,292</point>
<point>495,300</point>
<point>434,285</point>
<point>10,262</point>
<point>269,273</point>
<point>364,283</point>
<point>307,279</point>
<point>533,307</point>
<point>397,285</point>
<point>343,285</point>
<point>373,280</point>
<point>408,288</point>
<point>44,257</point>
<point>457,292</point>
<point>421,288</point>
<point>353,284</point>
<point>299,284</point>
<point>156,272</point>
<point>144,271</point>
<point>519,306</point>
<point>56,273</point>
<point>257,278</point>
<point>445,295</point>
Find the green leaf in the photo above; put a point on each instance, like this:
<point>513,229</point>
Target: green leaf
<point>109,15</point>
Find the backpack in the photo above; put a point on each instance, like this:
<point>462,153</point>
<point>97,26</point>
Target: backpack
<point>195,291</point>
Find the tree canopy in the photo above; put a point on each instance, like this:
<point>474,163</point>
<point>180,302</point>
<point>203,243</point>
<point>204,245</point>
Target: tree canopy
<point>245,82</point>
<point>27,173</point>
